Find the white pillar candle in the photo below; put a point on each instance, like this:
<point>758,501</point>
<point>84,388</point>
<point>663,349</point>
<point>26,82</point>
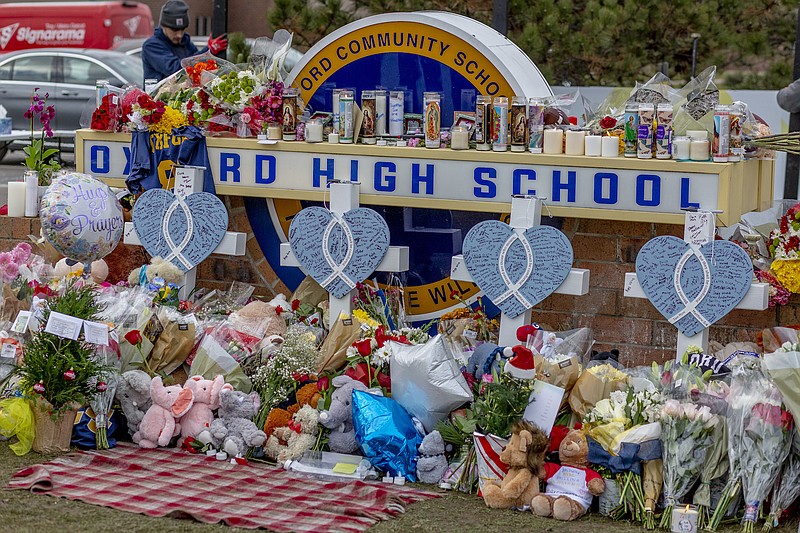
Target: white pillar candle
<point>16,198</point>
<point>274,133</point>
<point>575,142</point>
<point>699,150</point>
<point>684,519</point>
<point>681,145</point>
<point>553,141</point>
<point>593,146</point>
<point>31,178</point>
<point>380,112</point>
<point>610,146</point>
<point>314,132</point>
<point>333,138</point>
<point>459,138</point>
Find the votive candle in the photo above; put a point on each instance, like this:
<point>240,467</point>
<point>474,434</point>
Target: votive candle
<point>459,138</point>
<point>684,519</point>
<point>274,132</point>
<point>314,131</point>
<point>610,146</point>
<point>593,145</point>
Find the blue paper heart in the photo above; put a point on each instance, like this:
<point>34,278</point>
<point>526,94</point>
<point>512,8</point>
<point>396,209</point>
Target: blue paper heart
<point>346,264</point>
<point>534,263</point>
<point>715,284</point>
<point>184,233</point>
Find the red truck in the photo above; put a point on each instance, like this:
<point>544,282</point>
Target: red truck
<point>72,24</point>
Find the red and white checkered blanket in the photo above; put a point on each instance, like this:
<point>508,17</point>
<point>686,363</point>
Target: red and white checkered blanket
<point>173,482</point>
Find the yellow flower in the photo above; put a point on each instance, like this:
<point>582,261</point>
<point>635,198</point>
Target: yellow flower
<point>171,119</point>
<point>787,271</point>
<point>364,318</point>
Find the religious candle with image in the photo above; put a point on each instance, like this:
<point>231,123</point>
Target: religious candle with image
<point>664,131</point>
<point>433,119</point>
<point>519,123</point>
<point>289,114</point>
<point>535,125</point>
<point>483,121</point>
<point>644,144</point>
<point>631,129</point>
<point>346,122</point>
<point>369,113</point>
<point>500,124</point>
<point>722,133</point>
<point>736,147</point>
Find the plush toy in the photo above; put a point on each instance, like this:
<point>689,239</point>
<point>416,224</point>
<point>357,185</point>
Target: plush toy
<point>99,270</point>
<point>299,435</point>
<point>571,485</point>
<point>133,394</point>
<point>158,268</point>
<point>206,401</point>
<point>339,418</point>
<point>524,455</point>
<point>159,424</point>
<point>431,462</point>
<point>262,311</point>
<point>520,363</point>
<point>486,358</point>
<point>612,355</point>
<point>308,394</point>
<point>234,431</point>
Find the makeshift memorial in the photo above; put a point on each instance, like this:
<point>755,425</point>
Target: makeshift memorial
<point>299,435</point>
<point>133,394</point>
<point>38,157</point>
<point>524,454</point>
<point>159,424</point>
<point>338,418</point>
<point>386,434</point>
<point>234,431</point>
<point>570,485</point>
<point>58,373</point>
<point>81,217</point>
<point>206,401</point>
<point>431,461</point>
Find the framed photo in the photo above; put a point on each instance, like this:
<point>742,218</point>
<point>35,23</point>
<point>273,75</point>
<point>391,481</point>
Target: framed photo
<point>322,116</point>
<point>465,119</point>
<point>412,123</point>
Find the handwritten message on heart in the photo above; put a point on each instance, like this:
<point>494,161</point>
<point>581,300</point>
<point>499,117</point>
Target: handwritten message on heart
<point>338,251</point>
<point>693,286</point>
<point>182,231</point>
<point>516,270</point>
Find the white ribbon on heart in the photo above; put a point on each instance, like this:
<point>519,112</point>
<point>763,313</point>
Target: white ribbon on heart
<point>513,287</point>
<point>691,307</point>
<point>176,251</point>
<point>338,270</point>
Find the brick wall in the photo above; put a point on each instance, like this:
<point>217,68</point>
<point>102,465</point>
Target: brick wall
<point>607,248</point>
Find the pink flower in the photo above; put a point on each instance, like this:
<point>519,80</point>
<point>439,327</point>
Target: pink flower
<point>5,259</point>
<point>24,249</point>
<point>274,101</point>
<point>11,271</point>
<point>245,118</point>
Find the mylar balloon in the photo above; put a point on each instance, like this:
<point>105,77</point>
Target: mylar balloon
<point>81,217</point>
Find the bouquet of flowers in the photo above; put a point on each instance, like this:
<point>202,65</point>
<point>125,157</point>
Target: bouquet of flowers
<point>784,247</point>
<point>715,397</point>
<point>108,114</point>
<point>234,90</point>
<point>594,384</point>
<point>787,486</point>
<point>687,435</point>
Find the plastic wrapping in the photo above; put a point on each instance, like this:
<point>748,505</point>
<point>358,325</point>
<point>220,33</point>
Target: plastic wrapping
<point>386,434</point>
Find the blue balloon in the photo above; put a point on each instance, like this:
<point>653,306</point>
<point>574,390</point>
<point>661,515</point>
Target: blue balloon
<point>386,434</point>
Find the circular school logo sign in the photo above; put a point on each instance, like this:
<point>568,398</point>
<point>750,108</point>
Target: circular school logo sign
<point>455,56</point>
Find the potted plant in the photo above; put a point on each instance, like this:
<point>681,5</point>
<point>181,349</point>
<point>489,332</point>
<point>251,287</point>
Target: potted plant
<point>37,157</point>
<point>60,374</point>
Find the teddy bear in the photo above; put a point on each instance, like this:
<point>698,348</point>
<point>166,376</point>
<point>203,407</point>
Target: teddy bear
<point>133,394</point>
<point>98,272</point>
<point>234,431</point>
<point>339,417</point>
<point>431,462</point>
<point>524,454</point>
<point>571,485</point>
<point>158,268</point>
<point>160,423</point>
<point>206,401</point>
<point>299,435</point>
<point>308,394</point>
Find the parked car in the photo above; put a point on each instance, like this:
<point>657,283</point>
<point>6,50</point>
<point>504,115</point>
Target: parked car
<point>69,76</point>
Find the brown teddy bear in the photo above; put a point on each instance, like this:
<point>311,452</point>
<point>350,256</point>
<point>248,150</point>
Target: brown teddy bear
<point>308,394</point>
<point>570,486</point>
<point>524,454</point>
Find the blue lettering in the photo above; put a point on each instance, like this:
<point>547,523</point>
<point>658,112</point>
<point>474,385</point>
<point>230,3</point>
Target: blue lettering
<point>261,178</point>
<point>229,164</point>
<point>527,173</point>
<point>655,190</point>
<point>354,170</point>
<point>613,187</point>
<point>417,178</point>
<point>569,186</point>
<point>685,183</point>
<point>100,156</point>
<point>483,176</point>
<point>127,150</point>
<point>319,172</point>
<point>385,183</point>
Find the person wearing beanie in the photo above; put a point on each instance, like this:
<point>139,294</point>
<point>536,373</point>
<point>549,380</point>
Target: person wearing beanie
<point>163,51</point>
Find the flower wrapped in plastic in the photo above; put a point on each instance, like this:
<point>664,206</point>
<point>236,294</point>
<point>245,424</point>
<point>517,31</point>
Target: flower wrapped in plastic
<point>107,116</point>
<point>597,382</point>
<point>715,396</point>
<point>232,90</point>
<point>784,247</point>
<point>195,66</point>
<point>787,487</point>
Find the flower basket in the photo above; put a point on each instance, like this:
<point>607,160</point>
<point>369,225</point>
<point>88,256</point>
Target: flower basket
<point>52,436</point>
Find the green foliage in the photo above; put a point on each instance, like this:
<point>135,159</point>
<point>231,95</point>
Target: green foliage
<point>501,403</point>
<point>47,357</point>
<point>238,51</point>
<point>607,42</point>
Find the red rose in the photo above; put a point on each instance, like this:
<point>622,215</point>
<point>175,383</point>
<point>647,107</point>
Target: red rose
<point>278,310</point>
<point>133,337</point>
<point>364,347</point>
<point>454,294</point>
<point>295,304</point>
<point>608,122</point>
<point>323,383</point>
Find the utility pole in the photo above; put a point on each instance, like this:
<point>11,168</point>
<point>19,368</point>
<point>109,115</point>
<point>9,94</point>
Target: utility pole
<point>793,161</point>
<point>500,16</point>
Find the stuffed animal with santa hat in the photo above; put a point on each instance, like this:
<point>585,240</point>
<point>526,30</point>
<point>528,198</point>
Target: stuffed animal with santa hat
<point>520,362</point>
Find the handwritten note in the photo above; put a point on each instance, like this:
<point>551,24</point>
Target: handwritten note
<point>516,269</point>
<point>64,326</point>
<point>95,333</point>
<point>699,227</point>
<point>543,405</point>
<point>182,232</point>
<point>338,253</point>
<point>693,287</point>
